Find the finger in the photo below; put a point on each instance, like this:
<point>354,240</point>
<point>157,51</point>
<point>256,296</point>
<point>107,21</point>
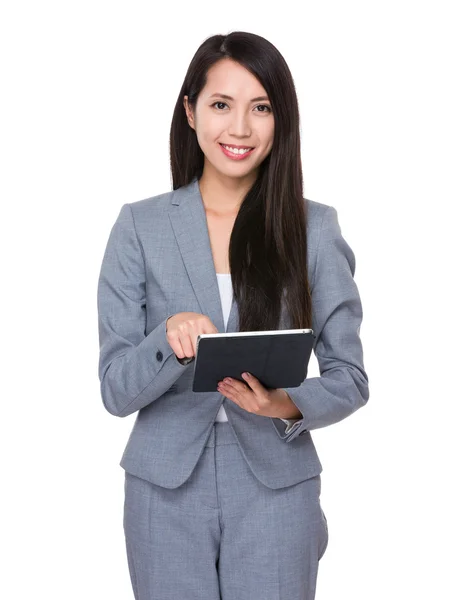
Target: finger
<point>177,348</point>
<point>235,386</point>
<point>233,396</point>
<point>252,381</point>
<point>187,345</point>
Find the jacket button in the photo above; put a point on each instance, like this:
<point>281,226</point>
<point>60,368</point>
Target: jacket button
<point>159,355</point>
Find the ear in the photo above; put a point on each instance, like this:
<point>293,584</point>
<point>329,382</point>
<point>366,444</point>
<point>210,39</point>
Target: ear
<point>189,112</point>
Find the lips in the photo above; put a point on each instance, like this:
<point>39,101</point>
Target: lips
<point>236,156</point>
<point>238,147</point>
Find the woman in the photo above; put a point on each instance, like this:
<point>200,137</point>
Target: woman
<point>222,490</point>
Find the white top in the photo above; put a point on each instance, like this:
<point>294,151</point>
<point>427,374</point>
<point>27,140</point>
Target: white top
<point>225,287</point>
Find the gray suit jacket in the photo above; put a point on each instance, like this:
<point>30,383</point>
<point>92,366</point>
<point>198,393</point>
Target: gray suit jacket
<point>158,262</point>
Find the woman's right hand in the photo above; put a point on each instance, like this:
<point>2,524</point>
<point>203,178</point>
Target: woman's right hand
<point>182,330</point>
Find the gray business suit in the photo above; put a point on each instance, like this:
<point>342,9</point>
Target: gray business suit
<point>158,262</point>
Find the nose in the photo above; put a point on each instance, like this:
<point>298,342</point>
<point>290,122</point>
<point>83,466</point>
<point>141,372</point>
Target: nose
<point>239,125</point>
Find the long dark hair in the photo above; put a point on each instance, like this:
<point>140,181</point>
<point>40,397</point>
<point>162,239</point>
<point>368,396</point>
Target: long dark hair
<point>268,244</point>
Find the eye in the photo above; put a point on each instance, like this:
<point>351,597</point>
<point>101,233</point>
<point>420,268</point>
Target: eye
<point>269,108</point>
<point>218,103</point>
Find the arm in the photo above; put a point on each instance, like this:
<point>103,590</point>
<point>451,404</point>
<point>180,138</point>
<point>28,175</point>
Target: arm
<point>134,369</point>
<point>342,387</point>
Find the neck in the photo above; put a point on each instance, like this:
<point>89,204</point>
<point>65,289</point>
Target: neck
<point>223,195</point>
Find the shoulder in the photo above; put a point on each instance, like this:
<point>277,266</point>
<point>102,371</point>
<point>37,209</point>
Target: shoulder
<point>156,203</point>
<point>150,214</point>
<point>159,205</point>
<point>315,209</point>
<point>319,217</point>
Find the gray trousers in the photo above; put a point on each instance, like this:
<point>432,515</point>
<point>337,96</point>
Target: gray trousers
<point>223,535</point>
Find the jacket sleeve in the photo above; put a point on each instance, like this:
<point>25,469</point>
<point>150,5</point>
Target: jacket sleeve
<point>342,387</point>
<point>134,369</point>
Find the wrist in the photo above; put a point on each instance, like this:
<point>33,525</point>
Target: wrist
<point>288,410</point>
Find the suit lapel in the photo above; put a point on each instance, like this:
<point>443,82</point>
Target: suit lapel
<point>189,223</point>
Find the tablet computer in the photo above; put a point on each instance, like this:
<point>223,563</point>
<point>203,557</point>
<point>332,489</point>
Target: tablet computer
<point>278,358</point>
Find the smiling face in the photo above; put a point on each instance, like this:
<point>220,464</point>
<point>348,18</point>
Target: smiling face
<point>245,119</point>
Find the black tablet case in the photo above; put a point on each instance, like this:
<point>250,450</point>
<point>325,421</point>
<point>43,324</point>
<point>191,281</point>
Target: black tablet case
<point>278,359</point>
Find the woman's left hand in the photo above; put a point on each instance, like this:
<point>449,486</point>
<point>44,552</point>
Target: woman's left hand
<point>258,399</point>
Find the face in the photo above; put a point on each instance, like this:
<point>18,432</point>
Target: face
<point>241,121</point>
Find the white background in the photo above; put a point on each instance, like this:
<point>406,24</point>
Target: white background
<point>88,91</point>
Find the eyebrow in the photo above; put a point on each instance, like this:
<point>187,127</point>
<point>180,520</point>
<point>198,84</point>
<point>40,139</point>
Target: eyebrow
<point>226,97</point>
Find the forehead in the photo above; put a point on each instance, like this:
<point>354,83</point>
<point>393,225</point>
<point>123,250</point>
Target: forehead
<point>231,78</point>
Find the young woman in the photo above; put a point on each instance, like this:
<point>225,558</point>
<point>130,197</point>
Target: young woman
<point>222,489</point>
